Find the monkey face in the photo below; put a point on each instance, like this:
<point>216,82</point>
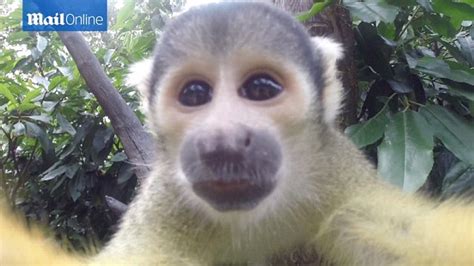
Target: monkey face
<point>225,123</point>
<point>233,102</point>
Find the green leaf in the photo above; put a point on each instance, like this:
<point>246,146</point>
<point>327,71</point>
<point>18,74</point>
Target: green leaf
<point>458,180</point>
<point>457,66</point>
<point>81,133</point>
<point>101,138</point>
<point>26,107</point>
<point>460,89</point>
<point>18,129</point>
<point>6,92</point>
<point>373,11</point>
<point>35,131</point>
<point>24,64</point>
<point>42,118</point>
<point>454,51</point>
<point>405,157</point>
<point>54,173</point>
<point>56,81</point>
<point>124,14</point>
<point>16,14</point>
<point>400,85</point>
<point>456,11</point>
<point>72,170</point>
<point>466,46</point>
<point>76,187</point>
<point>441,69</point>
<point>64,125</point>
<point>387,30</point>
<point>376,50</point>
<point>455,133</point>
<point>370,131</point>
<point>58,184</point>
<point>17,36</point>
<point>315,9</point>
<point>399,3</point>
<point>66,71</point>
<point>125,174</point>
<point>426,4</point>
<point>441,25</point>
<point>119,157</point>
<point>35,53</point>
<point>144,43</point>
<point>469,2</point>
<point>31,95</point>
<point>41,43</point>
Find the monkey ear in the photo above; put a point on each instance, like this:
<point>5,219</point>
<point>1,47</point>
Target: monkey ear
<point>331,52</point>
<point>139,77</point>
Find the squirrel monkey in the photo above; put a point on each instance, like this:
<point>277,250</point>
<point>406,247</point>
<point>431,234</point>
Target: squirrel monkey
<point>251,168</point>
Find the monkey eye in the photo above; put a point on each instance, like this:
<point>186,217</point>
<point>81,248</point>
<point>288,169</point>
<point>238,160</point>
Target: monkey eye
<point>260,87</point>
<point>195,93</point>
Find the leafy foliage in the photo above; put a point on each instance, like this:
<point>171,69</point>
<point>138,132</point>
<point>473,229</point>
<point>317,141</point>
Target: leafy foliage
<point>59,156</point>
<point>417,78</point>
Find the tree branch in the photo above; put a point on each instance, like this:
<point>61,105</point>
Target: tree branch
<point>137,143</point>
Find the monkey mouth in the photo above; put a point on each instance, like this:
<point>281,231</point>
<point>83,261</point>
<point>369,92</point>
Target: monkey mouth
<point>232,195</point>
<point>228,186</point>
<point>232,171</point>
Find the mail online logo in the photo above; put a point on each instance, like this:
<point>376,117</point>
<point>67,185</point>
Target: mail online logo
<point>64,15</point>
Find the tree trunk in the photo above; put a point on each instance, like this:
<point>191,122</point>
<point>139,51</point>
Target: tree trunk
<point>335,22</point>
<point>137,143</point>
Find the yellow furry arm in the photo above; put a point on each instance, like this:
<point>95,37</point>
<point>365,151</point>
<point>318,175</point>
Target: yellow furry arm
<point>387,227</point>
<point>19,246</point>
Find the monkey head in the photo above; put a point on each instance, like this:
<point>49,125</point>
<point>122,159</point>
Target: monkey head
<point>229,99</point>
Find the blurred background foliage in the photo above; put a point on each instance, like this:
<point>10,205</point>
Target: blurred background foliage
<point>415,70</point>
<point>59,156</point>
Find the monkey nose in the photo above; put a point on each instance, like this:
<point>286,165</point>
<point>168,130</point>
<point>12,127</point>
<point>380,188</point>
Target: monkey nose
<point>228,143</point>
<point>232,171</point>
